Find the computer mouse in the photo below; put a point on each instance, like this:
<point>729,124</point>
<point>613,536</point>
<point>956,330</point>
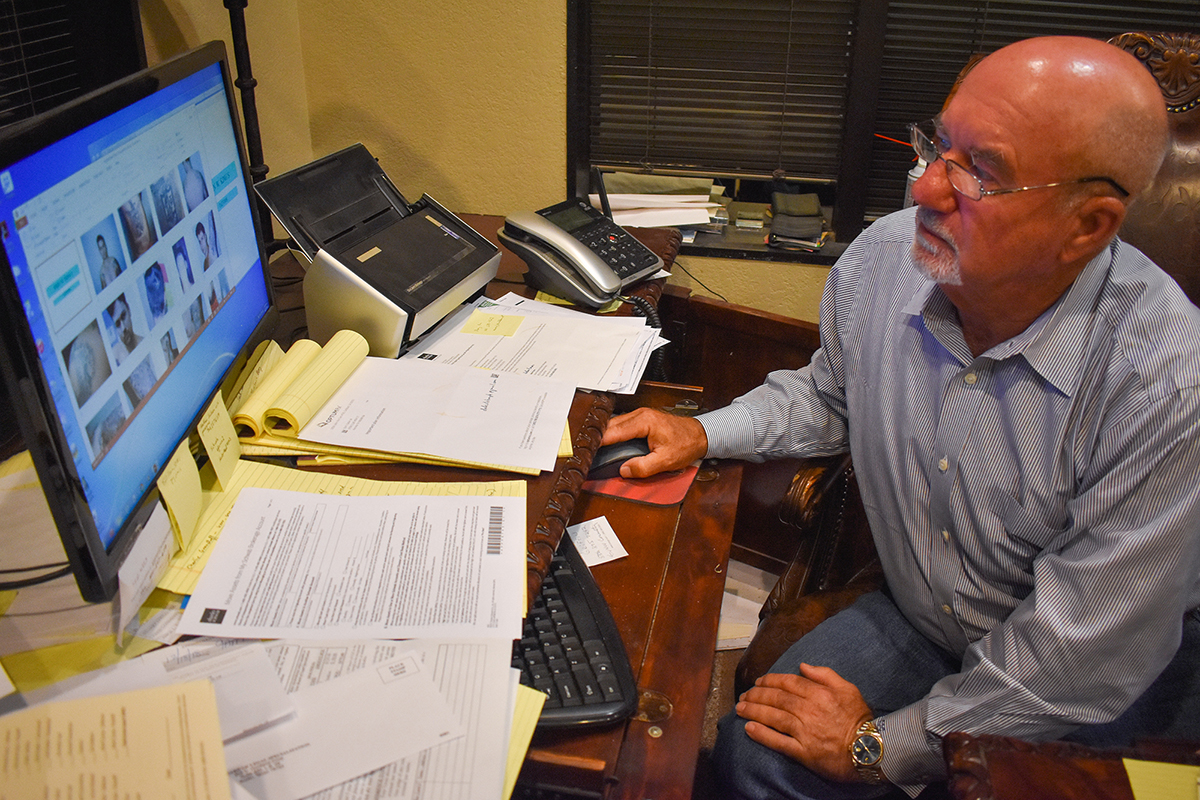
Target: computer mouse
<point>609,458</point>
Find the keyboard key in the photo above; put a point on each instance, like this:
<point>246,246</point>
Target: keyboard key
<point>567,691</point>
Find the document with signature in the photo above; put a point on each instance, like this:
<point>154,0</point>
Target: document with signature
<point>313,566</point>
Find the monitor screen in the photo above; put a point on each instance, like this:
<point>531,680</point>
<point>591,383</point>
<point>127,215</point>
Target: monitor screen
<point>133,278</point>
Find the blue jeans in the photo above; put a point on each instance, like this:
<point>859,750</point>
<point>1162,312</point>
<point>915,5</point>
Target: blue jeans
<point>874,647</point>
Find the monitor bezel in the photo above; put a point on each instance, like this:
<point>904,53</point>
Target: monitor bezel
<point>95,567</point>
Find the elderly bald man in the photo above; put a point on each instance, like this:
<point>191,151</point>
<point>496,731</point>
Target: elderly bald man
<point>1019,392</point>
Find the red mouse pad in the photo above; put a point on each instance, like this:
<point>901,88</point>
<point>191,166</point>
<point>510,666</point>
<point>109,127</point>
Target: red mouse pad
<point>664,489</point>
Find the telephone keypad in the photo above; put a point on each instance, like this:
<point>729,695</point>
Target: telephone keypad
<point>617,248</point>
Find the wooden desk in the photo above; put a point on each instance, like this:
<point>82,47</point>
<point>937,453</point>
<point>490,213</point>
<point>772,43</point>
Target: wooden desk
<point>666,599</point>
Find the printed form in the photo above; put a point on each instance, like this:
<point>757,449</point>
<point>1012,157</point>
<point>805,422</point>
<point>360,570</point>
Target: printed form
<point>472,676</point>
<point>299,565</point>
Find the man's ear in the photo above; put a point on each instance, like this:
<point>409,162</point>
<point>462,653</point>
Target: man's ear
<point>1094,223</point>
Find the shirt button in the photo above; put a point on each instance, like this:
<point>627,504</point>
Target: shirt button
<point>947,609</point>
<point>946,536</point>
<point>943,465</point>
<point>970,378</point>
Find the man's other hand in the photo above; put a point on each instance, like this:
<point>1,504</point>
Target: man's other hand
<point>810,717</point>
<point>674,441</point>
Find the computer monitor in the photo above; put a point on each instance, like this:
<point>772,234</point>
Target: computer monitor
<point>133,277</point>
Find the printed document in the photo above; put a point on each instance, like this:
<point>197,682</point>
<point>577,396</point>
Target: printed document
<point>249,696</point>
<point>472,676</point>
<point>470,415</point>
<point>580,349</point>
<point>312,566</point>
<point>343,728</point>
<point>621,378</point>
<point>117,745</point>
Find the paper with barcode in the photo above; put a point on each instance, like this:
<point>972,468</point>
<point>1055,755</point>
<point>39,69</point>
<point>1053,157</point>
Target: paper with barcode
<point>318,566</point>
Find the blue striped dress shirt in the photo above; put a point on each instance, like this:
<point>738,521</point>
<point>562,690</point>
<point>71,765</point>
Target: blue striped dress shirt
<point>1035,507</point>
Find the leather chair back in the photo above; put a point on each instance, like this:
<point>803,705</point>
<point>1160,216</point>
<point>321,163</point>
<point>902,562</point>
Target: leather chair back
<point>1164,222</point>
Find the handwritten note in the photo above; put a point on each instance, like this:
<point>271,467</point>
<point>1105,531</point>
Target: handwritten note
<point>258,366</point>
<point>220,440</point>
<point>596,541</point>
<point>487,324</point>
<point>179,486</point>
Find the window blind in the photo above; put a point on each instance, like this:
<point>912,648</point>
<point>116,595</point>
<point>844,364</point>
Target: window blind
<point>928,42</point>
<point>54,50</point>
<point>749,87</point>
<point>739,88</point>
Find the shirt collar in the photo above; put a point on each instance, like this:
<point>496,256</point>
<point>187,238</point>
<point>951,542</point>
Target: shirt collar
<point>1054,343</point>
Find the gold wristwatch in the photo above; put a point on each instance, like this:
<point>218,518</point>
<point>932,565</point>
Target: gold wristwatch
<point>866,750</point>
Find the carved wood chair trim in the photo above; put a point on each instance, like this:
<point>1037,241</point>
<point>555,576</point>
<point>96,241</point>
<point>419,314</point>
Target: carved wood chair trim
<point>1174,61</point>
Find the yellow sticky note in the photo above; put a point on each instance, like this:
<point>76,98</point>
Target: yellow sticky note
<point>33,669</point>
<point>492,324</point>
<point>22,460</point>
<point>1156,780</point>
<point>607,308</point>
<point>219,438</point>
<point>179,486</point>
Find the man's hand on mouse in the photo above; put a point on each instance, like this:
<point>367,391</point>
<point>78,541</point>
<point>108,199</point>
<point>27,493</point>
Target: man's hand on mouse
<point>674,441</point>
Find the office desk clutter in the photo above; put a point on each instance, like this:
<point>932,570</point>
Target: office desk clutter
<point>348,636</point>
<point>299,585</point>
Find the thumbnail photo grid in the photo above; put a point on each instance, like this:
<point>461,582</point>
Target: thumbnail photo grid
<point>154,267</point>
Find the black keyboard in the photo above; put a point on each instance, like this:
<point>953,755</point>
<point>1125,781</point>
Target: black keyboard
<point>570,649</point>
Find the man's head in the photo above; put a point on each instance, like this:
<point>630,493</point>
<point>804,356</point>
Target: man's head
<point>202,237</point>
<point>1040,111</point>
<point>156,289</point>
<point>102,247</point>
<point>123,322</point>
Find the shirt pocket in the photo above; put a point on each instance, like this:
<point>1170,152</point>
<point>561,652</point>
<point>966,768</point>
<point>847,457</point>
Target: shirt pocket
<point>1026,533</point>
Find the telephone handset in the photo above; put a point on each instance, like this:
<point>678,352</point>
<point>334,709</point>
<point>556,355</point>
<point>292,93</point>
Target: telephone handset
<point>575,252</point>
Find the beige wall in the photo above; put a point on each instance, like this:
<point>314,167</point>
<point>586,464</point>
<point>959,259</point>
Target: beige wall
<point>464,101</point>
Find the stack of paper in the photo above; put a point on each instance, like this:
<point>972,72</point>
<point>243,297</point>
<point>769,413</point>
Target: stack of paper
<point>527,337</point>
<point>332,719</point>
<point>338,401</point>
<point>659,210</point>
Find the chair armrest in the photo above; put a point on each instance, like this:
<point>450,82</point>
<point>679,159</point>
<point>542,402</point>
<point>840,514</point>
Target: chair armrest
<point>835,562</point>
<point>986,767</point>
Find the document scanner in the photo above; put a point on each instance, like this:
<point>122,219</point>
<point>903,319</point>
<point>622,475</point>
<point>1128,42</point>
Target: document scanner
<point>381,266</point>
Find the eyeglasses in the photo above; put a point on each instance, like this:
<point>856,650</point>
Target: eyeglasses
<point>926,142</point>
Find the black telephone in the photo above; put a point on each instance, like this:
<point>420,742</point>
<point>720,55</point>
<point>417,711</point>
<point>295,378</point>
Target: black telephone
<point>575,252</point>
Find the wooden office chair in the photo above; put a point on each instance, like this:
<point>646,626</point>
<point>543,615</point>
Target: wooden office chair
<point>835,561</point>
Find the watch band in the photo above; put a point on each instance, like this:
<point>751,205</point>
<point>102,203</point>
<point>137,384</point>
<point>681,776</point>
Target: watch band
<point>866,751</point>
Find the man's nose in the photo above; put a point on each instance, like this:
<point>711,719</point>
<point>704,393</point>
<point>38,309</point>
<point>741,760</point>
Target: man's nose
<point>933,188</point>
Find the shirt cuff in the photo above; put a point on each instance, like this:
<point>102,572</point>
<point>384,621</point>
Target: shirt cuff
<point>730,432</point>
<point>912,757</point>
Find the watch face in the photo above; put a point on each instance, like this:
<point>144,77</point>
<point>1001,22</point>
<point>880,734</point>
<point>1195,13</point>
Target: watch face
<point>867,750</point>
